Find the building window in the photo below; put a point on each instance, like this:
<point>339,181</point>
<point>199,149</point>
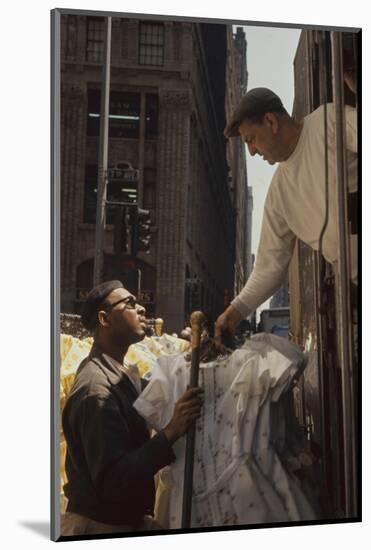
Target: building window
<point>124,114</point>
<point>90,194</point>
<point>149,188</point>
<point>117,191</point>
<point>151,44</point>
<point>151,116</point>
<point>95,39</point>
<point>93,112</point>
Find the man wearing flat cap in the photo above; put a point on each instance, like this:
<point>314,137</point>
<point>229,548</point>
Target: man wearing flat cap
<point>111,459</point>
<point>295,205</point>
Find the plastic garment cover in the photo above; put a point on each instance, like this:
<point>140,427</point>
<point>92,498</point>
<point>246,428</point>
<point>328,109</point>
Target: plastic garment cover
<point>239,477</point>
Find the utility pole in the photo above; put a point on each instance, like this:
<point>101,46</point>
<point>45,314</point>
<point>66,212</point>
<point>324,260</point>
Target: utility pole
<point>103,157</point>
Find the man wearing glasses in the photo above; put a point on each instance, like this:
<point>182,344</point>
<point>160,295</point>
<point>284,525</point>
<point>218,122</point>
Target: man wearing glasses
<point>111,458</point>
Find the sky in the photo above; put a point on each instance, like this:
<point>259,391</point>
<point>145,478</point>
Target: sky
<point>270,58</point>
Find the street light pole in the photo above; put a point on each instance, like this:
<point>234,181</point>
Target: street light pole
<point>103,157</point>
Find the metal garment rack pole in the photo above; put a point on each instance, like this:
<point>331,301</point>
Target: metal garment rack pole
<point>318,302</point>
<point>197,319</point>
<point>344,311</point>
<point>326,466</point>
<point>103,157</point>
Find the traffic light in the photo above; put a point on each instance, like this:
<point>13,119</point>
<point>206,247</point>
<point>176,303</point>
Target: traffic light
<point>120,233</point>
<point>141,230</point>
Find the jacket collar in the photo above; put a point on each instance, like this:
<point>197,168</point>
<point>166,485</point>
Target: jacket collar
<point>111,370</point>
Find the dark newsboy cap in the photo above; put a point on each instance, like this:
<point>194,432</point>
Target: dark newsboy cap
<point>94,300</point>
<point>257,101</point>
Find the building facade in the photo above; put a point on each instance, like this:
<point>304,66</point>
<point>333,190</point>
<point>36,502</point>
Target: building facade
<point>167,114</point>
<point>236,84</point>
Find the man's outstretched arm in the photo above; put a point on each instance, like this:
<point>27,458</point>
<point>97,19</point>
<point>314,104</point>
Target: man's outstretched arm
<point>274,253</point>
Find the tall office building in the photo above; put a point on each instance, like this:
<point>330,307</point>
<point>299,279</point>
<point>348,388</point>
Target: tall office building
<point>172,85</point>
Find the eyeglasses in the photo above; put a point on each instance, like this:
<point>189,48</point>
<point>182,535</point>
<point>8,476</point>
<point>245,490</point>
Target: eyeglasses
<point>130,303</point>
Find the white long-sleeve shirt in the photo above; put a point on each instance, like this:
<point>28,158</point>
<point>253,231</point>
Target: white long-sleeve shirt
<point>295,206</point>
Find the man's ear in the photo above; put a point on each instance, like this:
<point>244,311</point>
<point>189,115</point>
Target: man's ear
<point>103,318</point>
<point>272,121</point>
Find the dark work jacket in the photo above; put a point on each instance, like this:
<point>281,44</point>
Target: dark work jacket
<point>111,459</point>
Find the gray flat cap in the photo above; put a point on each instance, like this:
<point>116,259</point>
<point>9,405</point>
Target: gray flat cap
<point>257,101</point>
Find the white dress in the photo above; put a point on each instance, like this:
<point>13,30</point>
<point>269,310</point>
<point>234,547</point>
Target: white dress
<point>238,478</point>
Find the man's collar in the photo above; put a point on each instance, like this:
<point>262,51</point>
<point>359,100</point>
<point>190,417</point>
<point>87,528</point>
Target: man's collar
<point>116,369</point>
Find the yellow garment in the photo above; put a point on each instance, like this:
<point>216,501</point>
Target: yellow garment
<point>144,353</point>
<point>73,351</point>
